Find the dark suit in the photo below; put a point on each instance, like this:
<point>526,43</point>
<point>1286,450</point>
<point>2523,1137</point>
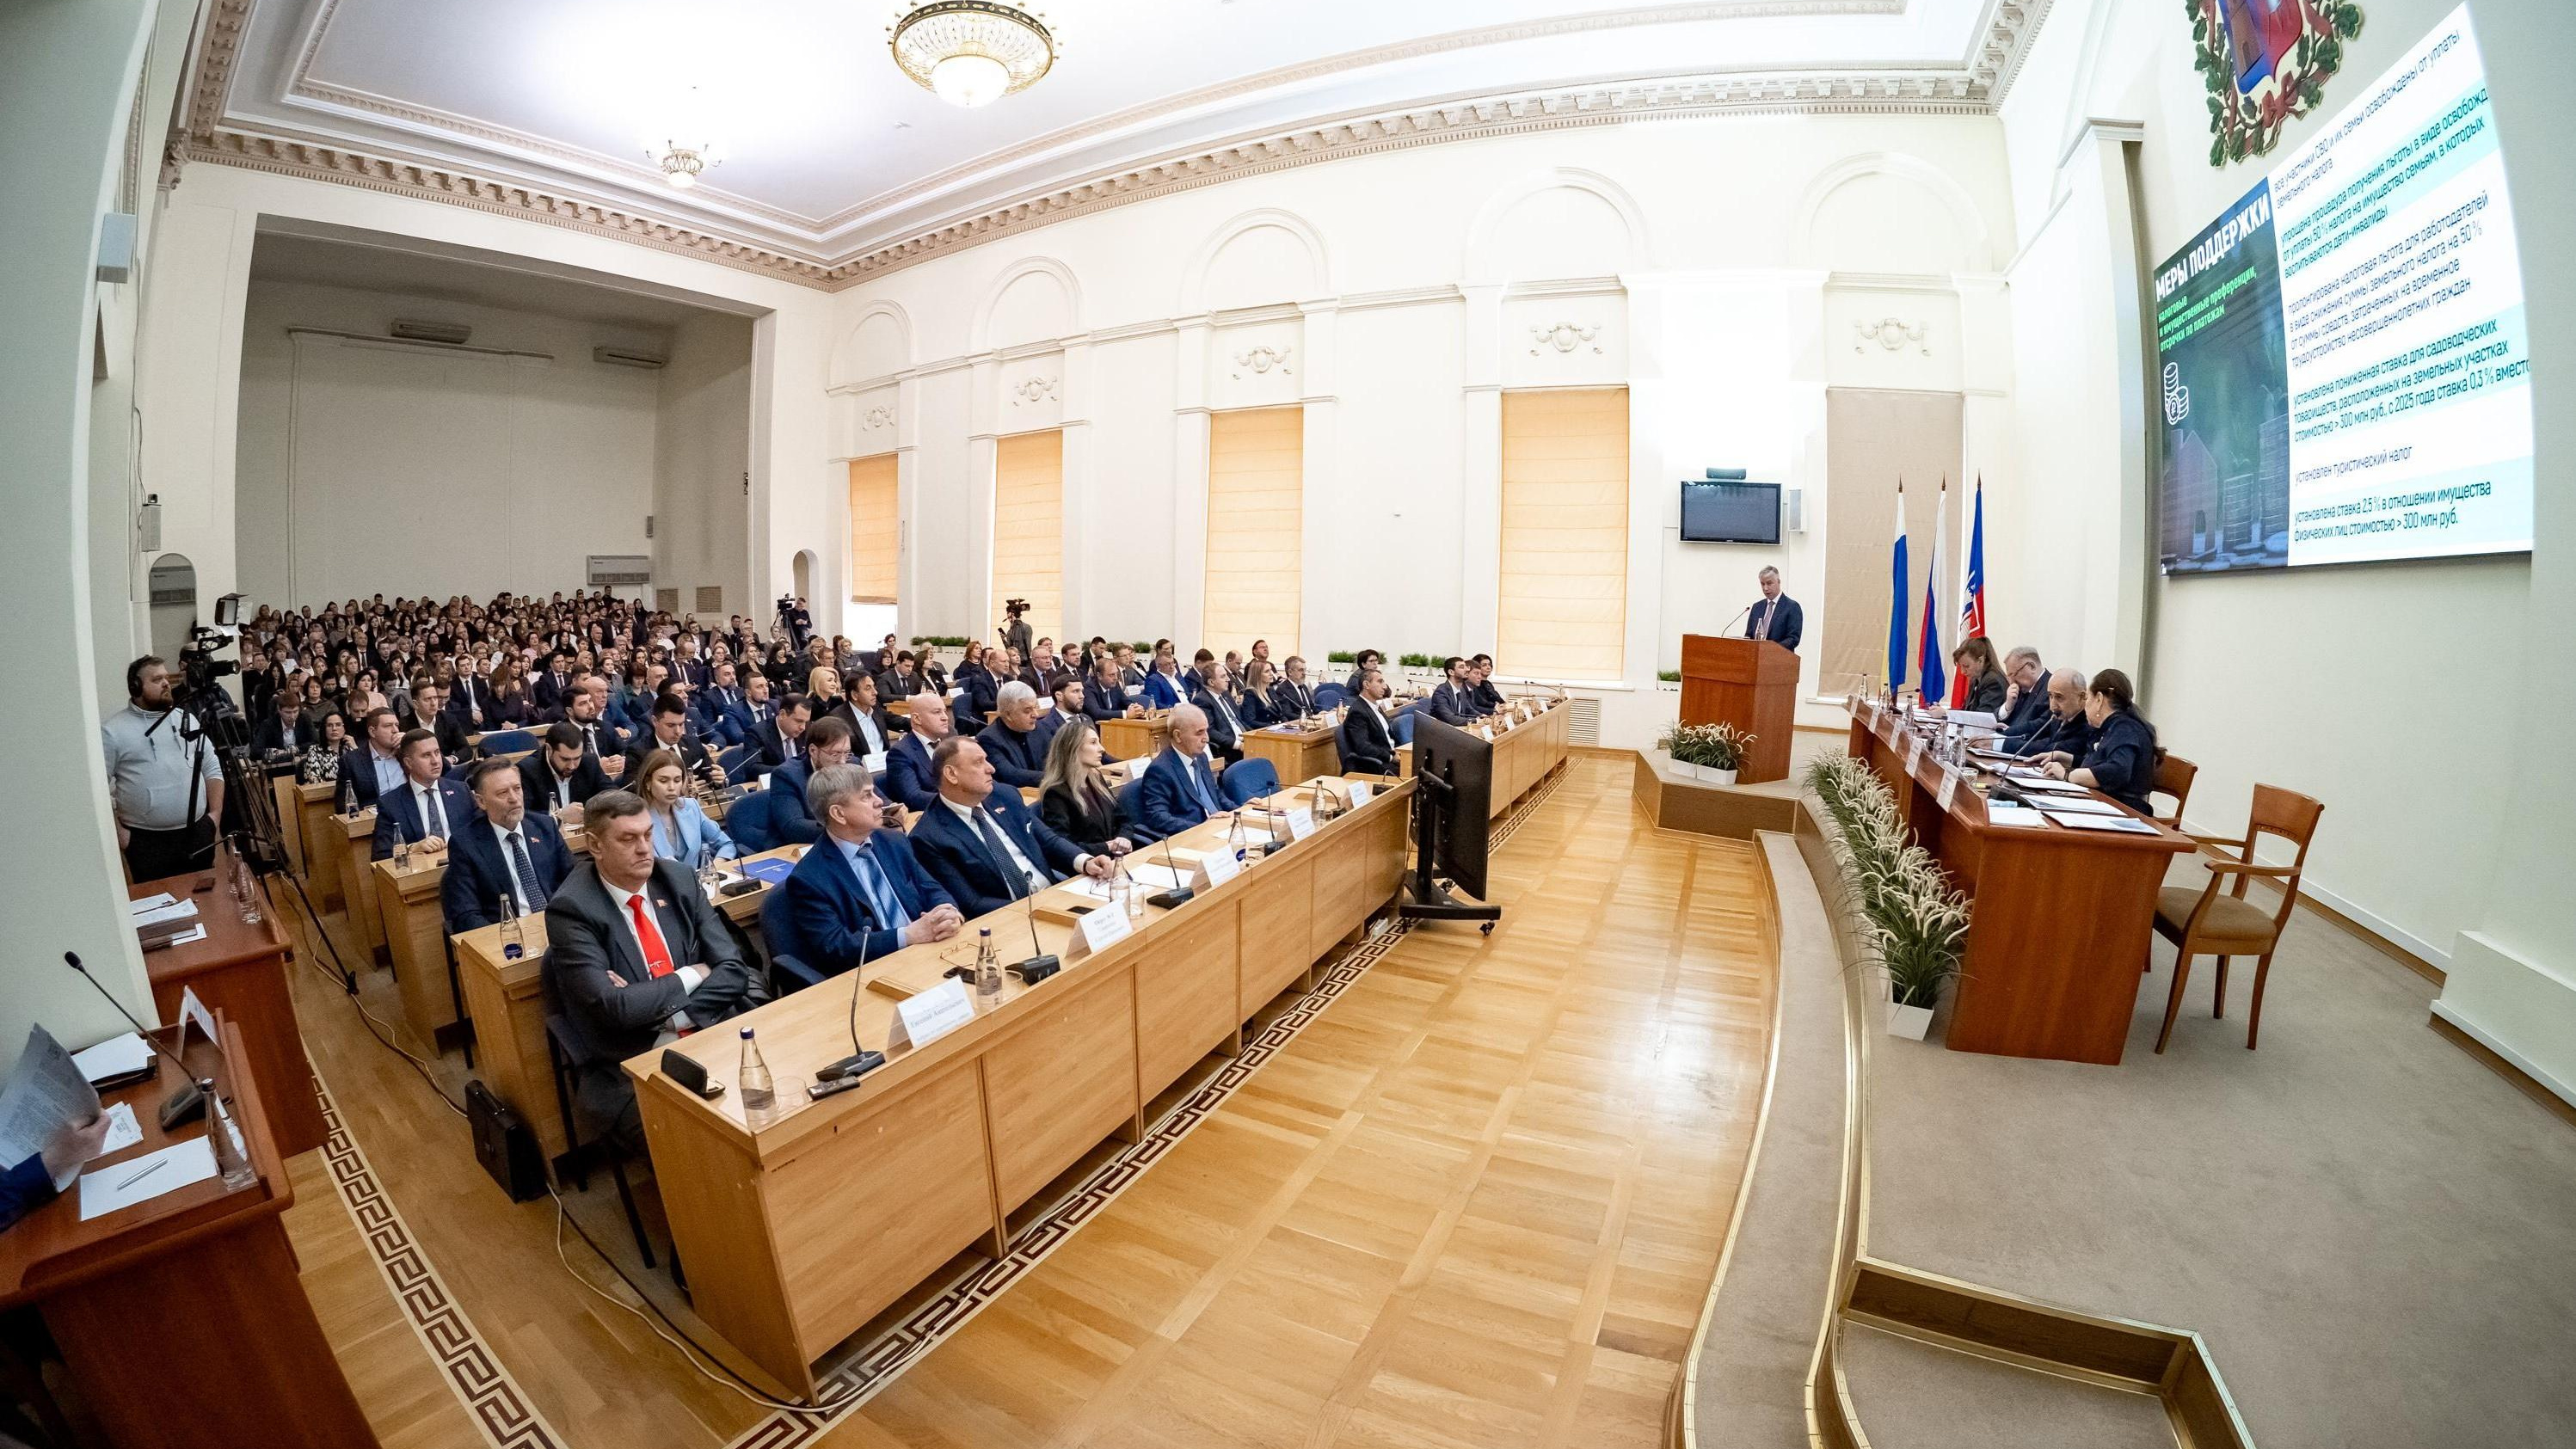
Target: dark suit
<point>537,780</point>
<point>1073,815</point>
<point>2029,712</point>
<point>982,692</point>
<point>271,736</point>
<point>587,939</point>
<point>358,767</point>
<point>2072,736</point>
<point>2123,760</point>
<point>398,816</point>
<point>889,729</point>
<point>1486,697</point>
<point>478,875</point>
<point>1779,620</point>
<point>692,751</point>
<point>1225,734</point>
<point>473,694</point>
<point>1986,694</point>
<point>773,746</point>
<point>789,820</point>
<point>1019,756</point>
<point>1165,804</point>
<point>957,856</point>
<point>603,739</point>
<point>1104,701</point>
<point>549,692</point>
<point>1261,712</point>
<point>909,780</point>
<point>1367,747</point>
<point>725,715</point>
<point>24,1188</point>
<point>1451,704</point>
<point>1295,701</point>
<point>835,928</point>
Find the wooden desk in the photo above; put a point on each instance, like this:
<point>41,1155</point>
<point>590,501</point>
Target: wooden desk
<point>2058,918</point>
<point>1524,754</point>
<point>1751,684</point>
<point>290,818</point>
<point>321,860</point>
<point>357,834</point>
<point>415,931</point>
<point>801,1227</point>
<point>182,1318</point>
<point>1298,754</point>
<point>239,971</point>
<point>506,1000</point>
<point>1143,735</point>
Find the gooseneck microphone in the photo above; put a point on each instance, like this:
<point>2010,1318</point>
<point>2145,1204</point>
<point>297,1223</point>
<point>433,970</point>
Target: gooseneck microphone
<point>184,1103</point>
<point>1178,893</point>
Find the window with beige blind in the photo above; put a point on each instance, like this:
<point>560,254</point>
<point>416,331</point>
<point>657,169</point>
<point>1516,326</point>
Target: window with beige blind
<point>1028,530</point>
<point>1255,515</point>
<point>1563,611</point>
<point>873,530</point>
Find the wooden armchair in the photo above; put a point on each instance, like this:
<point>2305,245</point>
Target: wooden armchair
<point>2208,922</point>
<point>2174,775</point>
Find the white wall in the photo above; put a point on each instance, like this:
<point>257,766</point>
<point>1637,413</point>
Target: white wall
<point>2455,842</point>
<point>702,449</point>
<point>1711,266</point>
<point>362,468</point>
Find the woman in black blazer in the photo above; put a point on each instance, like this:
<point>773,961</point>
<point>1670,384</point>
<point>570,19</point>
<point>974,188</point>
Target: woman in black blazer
<point>1074,798</point>
<point>2122,760</point>
<point>1258,709</point>
<point>1975,660</point>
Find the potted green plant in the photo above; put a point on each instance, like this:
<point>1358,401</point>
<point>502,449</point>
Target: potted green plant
<point>1922,928</point>
<point>1721,752</point>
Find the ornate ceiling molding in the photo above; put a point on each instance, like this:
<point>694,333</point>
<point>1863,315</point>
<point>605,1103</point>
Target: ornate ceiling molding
<point>1976,87</point>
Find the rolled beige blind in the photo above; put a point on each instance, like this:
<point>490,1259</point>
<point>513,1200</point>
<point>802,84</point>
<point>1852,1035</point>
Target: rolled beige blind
<point>1255,510</point>
<point>1028,529</point>
<point>1563,611</point>
<point>872,529</point>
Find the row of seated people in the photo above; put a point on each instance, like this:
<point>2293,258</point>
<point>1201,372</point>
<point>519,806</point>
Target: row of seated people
<point>2085,730</point>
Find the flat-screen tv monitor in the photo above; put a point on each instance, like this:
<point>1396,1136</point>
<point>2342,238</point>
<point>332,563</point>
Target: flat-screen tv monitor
<point>1717,512</point>
<point>1445,752</point>
<point>2342,371</point>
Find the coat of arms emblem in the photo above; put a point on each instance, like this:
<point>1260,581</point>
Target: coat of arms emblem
<point>2266,62</point>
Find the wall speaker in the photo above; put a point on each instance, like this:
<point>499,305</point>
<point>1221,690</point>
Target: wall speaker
<point>1793,509</point>
<point>116,247</point>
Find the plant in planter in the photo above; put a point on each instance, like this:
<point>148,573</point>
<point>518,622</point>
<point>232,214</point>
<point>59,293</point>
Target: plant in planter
<point>1922,931</point>
<point>1721,752</point>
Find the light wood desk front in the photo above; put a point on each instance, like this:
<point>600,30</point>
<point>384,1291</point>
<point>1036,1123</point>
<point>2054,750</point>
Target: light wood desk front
<point>507,1002</point>
<point>357,837</point>
<point>1524,753</point>
<point>182,1318</point>
<point>239,970</point>
<point>321,839</point>
<point>800,1227</point>
<point>1142,735</point>
<point>1298,754</point>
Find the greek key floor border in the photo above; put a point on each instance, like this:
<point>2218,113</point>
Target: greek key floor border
<point>489,1395</point>
<point>851,1386</point>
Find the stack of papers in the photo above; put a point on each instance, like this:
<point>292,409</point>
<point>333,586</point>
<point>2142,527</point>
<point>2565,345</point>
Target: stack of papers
<point>1155,876</point>
<point>115,1059</point>
<point>1999,813</point>
<point>140,1179</point>
<point>2126,825</point>
<point>2078,805</point>
<point>2051,787</point>
<point>152,910</point>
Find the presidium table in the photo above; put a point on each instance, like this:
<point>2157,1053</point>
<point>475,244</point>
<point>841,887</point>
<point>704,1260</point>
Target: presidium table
<point>802,1223</point>
<point>2059,918</point>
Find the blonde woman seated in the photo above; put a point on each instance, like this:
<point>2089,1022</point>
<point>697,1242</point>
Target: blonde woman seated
<point>1075,799</point>
<point>681,830</point>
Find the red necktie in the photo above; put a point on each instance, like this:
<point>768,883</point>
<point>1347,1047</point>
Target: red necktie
<point>657,955</point>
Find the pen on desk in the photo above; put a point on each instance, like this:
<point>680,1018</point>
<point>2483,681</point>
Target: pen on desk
<point>138,1177</point>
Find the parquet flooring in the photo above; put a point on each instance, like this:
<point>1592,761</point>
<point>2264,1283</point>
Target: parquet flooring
<point>1477,1202</point>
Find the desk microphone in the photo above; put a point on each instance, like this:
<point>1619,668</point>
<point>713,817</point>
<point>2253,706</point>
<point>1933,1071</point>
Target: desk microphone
<point>841,1075</point>
<point>185,1102</point>
<point>1722,631</point>
<point>1040,964</point>
<point>1178,893</point>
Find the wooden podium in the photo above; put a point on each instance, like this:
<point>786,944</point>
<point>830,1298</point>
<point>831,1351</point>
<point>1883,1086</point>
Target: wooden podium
<point>1751,684</point>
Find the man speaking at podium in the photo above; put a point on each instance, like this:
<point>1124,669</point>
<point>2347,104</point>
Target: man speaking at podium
<point>1778,617</point>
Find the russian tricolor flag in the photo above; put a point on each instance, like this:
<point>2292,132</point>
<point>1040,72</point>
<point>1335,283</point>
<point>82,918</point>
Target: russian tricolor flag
<point>1896,603</point>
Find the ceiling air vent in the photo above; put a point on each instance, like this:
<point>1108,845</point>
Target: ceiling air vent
<point>626,357</point>
<point>451,333</point>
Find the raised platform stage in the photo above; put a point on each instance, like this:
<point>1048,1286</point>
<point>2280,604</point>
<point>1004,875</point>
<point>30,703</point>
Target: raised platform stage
<point>1675,801</point>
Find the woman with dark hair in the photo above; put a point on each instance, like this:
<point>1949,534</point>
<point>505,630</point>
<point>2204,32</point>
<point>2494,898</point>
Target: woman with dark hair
<point>1976,662</point>
<point>511,703</point>
<point>320,764</point>
<point>2122,760</point>
<point>1368,659</point>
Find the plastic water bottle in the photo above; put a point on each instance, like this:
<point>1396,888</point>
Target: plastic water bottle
<point>758,1093</point>
<point>223,1134</point>
<point>1122,889</point>
<point>514,939</point>
<point>988,970</point>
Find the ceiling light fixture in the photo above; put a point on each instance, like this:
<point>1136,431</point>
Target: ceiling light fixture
<point>683,161</point>
<point>971,52</point>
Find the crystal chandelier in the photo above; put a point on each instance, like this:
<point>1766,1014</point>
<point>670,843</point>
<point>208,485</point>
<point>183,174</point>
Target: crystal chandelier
<point>971,52</point>
<point>683,150</point>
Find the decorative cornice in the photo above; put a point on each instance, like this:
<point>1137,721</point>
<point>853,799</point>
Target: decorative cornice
<point>1974,88</point>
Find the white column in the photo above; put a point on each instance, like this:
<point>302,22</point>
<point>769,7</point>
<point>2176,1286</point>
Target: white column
<point>66,80</point>
<point>983,451</point>
<point>1650,403</point>
<point>907,511</point>
<point>1075,418</point>
<point>1316,554</point>
<point>1480,534</point>
<point>1189,483</point>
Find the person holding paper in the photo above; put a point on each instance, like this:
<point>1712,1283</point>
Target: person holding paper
<point>29,1184</point>
<point>2066,734</point>
<point>859,894</point>
<point>1180,785</point>
<point>982,844</point>
<point>1367,747</point>
<point>1075,799</point>
<point>2121,761</point>
<point>636,957</point>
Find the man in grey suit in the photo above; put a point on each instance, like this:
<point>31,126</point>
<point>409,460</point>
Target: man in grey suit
<point>636,957</point>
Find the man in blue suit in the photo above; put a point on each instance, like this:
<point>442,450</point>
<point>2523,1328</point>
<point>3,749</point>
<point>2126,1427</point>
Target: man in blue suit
<point>2026,708</point>
<point>1104,694</point>
<point>910,781</point>
<point>428,808</point>
<point>1778,617</point>
<point>982,844</point>
<point>721,709</point>
<point>827,743</point>
<point>511,851</point>
<point>1225,728</point>
<point>859,894</point>
<point>1180,785</point>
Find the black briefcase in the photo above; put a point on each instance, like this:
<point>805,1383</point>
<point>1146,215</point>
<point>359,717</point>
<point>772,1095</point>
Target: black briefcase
<point>503,1144</point>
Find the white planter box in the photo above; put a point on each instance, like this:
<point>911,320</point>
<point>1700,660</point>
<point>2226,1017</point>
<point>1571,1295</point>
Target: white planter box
<point>1909,1022</point>
<point>1716,776</point>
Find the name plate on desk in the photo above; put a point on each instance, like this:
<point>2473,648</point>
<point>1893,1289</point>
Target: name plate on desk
<point>1217,866</point>
<point>1360,792</point>
<point>1301,822</point>
<point>926,1016</point>
<point>1949,786</point>
<point>1913,749</point>
<point>1096,931</point>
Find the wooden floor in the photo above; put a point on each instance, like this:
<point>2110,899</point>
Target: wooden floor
<point>1477,1202</point>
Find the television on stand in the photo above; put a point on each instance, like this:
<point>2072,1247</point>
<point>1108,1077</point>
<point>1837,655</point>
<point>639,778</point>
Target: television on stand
<point>1453,785</point>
